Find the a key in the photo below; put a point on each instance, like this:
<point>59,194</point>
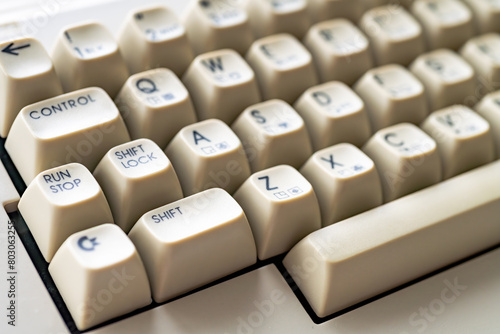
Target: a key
<point>221,84</point>
<point>62,201</point>
<point>27,76</point>
<point>340,51</point>
<point>136,177</point>
<point>86,55</point>
<point>207,155</point>
<point>483,54</point>
<point>268,17</point>
<point>272,133</point>
<point>283,67</point>
<point>489,109</point>
<point>154,37</point>
<point>392,95</point>
<point>446,24</point>
<point>322,10</point>
<point>155,105</point>
<point>333,114</point>
<point>217,24</point>
<point>281,208</point>
<point>395,36</point>
<point>363,256</point>
<point>100,275</point>
<point>345,181</point>
<point>447,77</point>
<point>192,242</point>
<point>487,14</point>
<point>76,127</point>
<point>464,139</point>
<point>407,159</point>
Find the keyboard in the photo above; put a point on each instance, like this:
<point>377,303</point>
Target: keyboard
<point>237,166</point>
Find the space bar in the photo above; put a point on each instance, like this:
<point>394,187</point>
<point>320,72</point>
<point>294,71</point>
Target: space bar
<point>363,256</point>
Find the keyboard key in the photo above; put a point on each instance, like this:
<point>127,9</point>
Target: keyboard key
<point>487,14</point>
<point>447,77</point>
<point>221,85</point>
<point>60,202</point>
<point>463,137</point>
<point>446,24</point>
<point>392,95</point>
<point>483,54</point>
<point>333,114</point>
<point>206,231</point>
<point>281,208</point>
<point>489,109</point>
<point>407,160</point>
<point>153,37</point>
<point>283,67</point>
<point>218,24</point>
<point>340,51</point>
<point>322,10</point>
<point>268,17</point>
<point>363,256</point>
<point>27,76</point>
<point>137,177</point>
<point>100,275</point>
<point>272,133</point>
<point>87,55</point>
<point>155,105</point>
<point>345,181</point>
<point>76,127</point>
<point>208,155</point>
<point>395,36</point>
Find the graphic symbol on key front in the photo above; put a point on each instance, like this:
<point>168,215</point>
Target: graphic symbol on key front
<point>87,244</point>
<point>146,86</point>
<point>12,51</point>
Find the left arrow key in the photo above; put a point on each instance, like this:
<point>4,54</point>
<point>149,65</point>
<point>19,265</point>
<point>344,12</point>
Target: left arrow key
<point>27,76</point>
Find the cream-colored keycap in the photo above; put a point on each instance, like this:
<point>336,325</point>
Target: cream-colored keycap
<point>392,95</point>
<point>487,14</point>
<point>407,159</point>
<point>489,109</point>
<point>155,105</point>
<point>395,36</point>
<point>281,208</point>
<point>448,79</point>
<point>26,76</point>
<point>136,177</point>
<point>340,50</point>
<point>345,181</point>
<point>221,84</point>
<point>100,275</point>
<point>192,242</point>
<point>463,138</point>
<point>207,155</point>
<point>153,37</point>
<point>446,23</point>
<point>217,24</point>
<point>87,55</point>
<point>268,17</point>
<point>322,10</point>
<point>272,133</point>
<point>483,54</point>
<point>333,114</point>
<point>61,201</point>
<point>283,67</point>
<point>76,127</point>
<point>376,251</point>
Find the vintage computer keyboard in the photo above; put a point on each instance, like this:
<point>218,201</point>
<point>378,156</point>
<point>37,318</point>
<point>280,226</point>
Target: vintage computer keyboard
<point>391,226</point>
